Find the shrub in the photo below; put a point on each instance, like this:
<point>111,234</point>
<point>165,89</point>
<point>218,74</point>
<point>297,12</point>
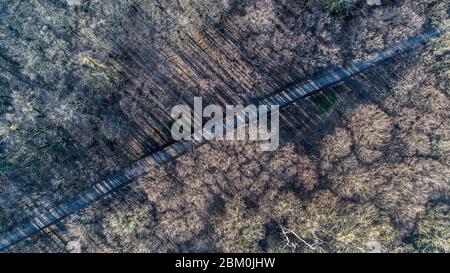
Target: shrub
<point>433,230</point>
<point>180,225</point>
<point>239,230</point>
<point>129,230</point>
<point>372,129</point>
<point>350,179</point>
<point>334,147</point>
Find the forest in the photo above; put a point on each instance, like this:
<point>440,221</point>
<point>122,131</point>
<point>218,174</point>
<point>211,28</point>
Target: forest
<point>87,87</point>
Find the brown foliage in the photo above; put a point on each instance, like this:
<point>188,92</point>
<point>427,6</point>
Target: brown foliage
<point>371,129</point>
